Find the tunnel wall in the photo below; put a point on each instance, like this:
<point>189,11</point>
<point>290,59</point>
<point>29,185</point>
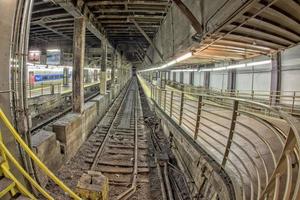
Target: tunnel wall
<point>290,69</point>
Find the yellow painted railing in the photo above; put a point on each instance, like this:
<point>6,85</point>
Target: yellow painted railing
<point>6,154</point>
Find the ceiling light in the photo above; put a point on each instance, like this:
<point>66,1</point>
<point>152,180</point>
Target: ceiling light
<point>184,57</point>
<point>265,62</point>
<point>236,66</point>
<point>53,50</point>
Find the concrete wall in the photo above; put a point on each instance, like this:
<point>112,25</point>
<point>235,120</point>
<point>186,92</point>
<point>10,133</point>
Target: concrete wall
<point>256,78</point>
<point>218,80</point>
<point>290,69</point>
<point>7,10</point>
<point>198,79</point>
<point>186,77</point>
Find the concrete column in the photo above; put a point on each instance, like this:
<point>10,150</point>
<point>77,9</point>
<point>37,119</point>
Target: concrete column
<point>113,68</point>
<point>276,78</point>
<point>163,80</point>
<point>78,62</point>
<point>103,69</point>
<point>85,76</point>
<point>206,79</point>
<point>191,81</point>
<point>66,77</point>
<point>7,10</point>
<point>231,84</point>
<point>118,62</point>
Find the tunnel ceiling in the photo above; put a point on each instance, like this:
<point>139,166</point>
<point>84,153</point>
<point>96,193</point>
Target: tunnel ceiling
<point>52,23</point>
<point>260,27</point>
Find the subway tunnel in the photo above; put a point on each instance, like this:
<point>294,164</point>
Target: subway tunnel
<point>150,99</point>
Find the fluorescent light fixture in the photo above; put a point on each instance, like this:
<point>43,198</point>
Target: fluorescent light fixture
<point>53,50</point>
<point>184,57</point>
<point>184,70</point>
<point>205,70</point>
<point>219,68</point>
<point>173,62</point>
<point>265,62</point>
<point>34,51</point>
<point>236,66</point>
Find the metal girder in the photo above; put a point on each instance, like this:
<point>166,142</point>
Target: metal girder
<point>145,53</point>
<point>147,3</point>
<point>186,11</point>
<point>148,39</point>
<point>91,22</point>
<point>42,24</point>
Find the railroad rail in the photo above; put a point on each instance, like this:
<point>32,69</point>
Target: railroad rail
<point>115,146</point>
<point>59,114</point>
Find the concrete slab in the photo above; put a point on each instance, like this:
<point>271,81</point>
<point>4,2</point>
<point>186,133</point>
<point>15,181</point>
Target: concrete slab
<point>70,133</point>
<point>47,148</point>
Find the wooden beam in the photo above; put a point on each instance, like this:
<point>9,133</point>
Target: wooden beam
<point>186,11</point>
<point>148,39</point>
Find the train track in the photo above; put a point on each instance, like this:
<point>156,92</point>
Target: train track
<point>58,115</point>
<point>121,147</point>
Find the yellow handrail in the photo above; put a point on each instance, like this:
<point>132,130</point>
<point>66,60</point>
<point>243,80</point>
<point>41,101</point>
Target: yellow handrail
<point>19,185</point>
<point>43,167</point>
<point>27,176</point>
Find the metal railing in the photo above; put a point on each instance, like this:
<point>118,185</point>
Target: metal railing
<point>289,101</point>
<point>7,154</point>
<point>44,89</point>
<point>260,153</point>
<point>53,88</point>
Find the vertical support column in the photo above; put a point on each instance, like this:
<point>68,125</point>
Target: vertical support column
<point>66,77</point>
<point>171,103</point>
<point>181,108</point>
<point>192,75</point>
<point>163,80</point>
<point>198,117</point>
<point>231,86</point>
<point>7,10</point>
<point>113,68</point>
<point>103,69</point>
<point>78,62</point>
<point>206,79</point>
<point>231,132</point>
<point>275,79</point>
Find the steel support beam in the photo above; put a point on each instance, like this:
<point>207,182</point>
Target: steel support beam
<point>80,10</point>
<point>103,69</point>
<point>275,78</point>
<point>231,86</point>
<point>142,50</point>
<point>78,62</point>
<point>113,67</point>
<point>186,11</point>
<point>148,39</point>
<point>206,79</point>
